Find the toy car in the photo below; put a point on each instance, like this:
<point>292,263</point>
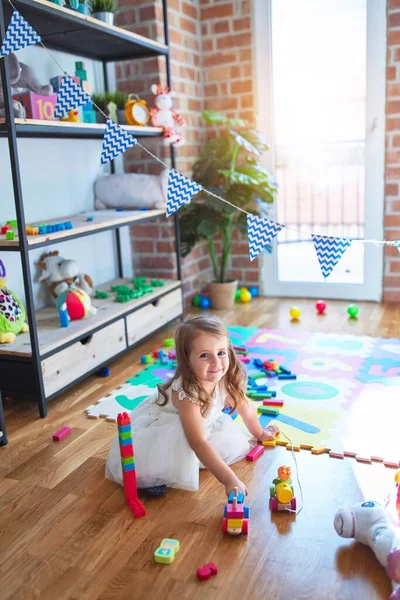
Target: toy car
<point>282,492</point>
<point>236,515</point>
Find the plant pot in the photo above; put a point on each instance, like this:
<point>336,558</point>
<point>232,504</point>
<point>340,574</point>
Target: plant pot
<point>222,295</point>
<point>100,118</point>
<point>107,17</point>
<point>121,116</point>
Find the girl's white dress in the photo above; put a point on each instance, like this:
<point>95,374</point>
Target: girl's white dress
<point>162,453</point>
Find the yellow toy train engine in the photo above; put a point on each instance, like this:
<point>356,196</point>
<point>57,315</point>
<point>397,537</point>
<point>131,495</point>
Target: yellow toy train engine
<point>281,492</point>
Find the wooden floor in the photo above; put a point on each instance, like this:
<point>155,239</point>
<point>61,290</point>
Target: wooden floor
<point>65,532</point>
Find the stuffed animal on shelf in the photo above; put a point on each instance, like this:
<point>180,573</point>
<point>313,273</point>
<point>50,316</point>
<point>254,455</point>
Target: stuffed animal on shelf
<point>22,78</point>
<point>162,115</point>
<point>60,273</point>
<point>12,312</point>
<point>370,524</point>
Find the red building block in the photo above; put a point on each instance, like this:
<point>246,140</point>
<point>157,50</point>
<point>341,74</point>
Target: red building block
<point>206,571</point>
<point>61,433</point>
<point>255,453</point>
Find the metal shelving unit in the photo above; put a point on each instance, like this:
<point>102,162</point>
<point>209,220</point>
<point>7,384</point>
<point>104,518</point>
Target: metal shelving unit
<point>69,31</point>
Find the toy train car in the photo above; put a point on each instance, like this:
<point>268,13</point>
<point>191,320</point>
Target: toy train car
<point>281,492</point>
<point>236,515</point>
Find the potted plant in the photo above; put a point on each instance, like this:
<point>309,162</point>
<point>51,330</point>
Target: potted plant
<point>120,98</point>
<point>229,167</point>
<point>103,10</point>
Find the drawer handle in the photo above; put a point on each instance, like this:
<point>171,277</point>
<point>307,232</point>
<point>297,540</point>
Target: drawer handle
<point>86,340</point>
<point>156,302</point>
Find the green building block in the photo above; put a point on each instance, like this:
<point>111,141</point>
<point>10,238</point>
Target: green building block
<point>101,295</point>
<point>13,223</point>
<point>268,410</point>
<point>128,461</point>
<point>157,282</point>
<point>10,235</point>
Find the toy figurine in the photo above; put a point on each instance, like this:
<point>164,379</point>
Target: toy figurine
<point>162,115</point>
<point>281,492</point>
<point>12,312</point>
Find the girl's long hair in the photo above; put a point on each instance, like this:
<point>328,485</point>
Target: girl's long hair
<point>235,379</point>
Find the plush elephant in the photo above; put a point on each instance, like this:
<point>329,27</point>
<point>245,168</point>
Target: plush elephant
<point>22,78</point>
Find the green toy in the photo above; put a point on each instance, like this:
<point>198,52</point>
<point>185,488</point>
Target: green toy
<point>12,312</point>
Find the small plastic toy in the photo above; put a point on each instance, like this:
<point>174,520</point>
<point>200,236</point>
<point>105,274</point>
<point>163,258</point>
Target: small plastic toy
<point>253,291</point>
<point>205,302</point>
<point>63,314</point>
<point>12,312</point>
<point>320,307</point>
<point>128,465</point>
<point>245,295</point>
<point>61,433</point>
<point>166,552</point>
<point>104,372</point>
<point>10,235</point>
<point>352,311</point>
<point>236,515</point>
<point>169,343</point>
<point>295,313</point>
<point>255,453</point>
<point>206,571</point>
<point>281,492</point>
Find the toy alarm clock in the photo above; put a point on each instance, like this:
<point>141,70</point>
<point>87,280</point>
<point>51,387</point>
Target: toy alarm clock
<point>136,111</point>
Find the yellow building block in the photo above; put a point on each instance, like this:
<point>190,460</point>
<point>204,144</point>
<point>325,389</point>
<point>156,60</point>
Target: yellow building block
<point>164,555</point>
<point>271,443</point>
<point>235,523</point>
<point>169,543</point>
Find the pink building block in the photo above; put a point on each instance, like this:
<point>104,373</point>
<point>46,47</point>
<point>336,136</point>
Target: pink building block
<point>255,453</point>
<point>61,433</point>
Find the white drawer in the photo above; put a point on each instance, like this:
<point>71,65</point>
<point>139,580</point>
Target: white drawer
<point>65,366</point>
<point>152,316</point>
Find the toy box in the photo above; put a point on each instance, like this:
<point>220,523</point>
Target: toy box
<point>37,107</point>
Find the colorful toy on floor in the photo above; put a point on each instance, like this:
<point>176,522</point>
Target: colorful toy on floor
<point>295,313</point>
<point>12,312</point>
<point>205,572</point>
<point>370,524</point>
<point>245,295</point>
<point>201,301</point>
<point>352,311</point>
<point>166,552</point>
<point>253,291</point>
<point>281,492</point>
<point>128,465</point>
<point>61,433</point>
<point>320,307</point>
<point>236,515</point>
<point>255,453</point>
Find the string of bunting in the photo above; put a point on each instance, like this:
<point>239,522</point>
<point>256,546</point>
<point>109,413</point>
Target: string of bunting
<point>261,231</point>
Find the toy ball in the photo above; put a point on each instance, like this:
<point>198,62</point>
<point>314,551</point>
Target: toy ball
<point>253,291</point>
<point>245,295</point>
<point>320,307</point>
<point>295,313</point>
<point>196,300</point>
<point>237,296</point>
<point>205,302</point>
<point>77,301</point>
<point>352,311</point>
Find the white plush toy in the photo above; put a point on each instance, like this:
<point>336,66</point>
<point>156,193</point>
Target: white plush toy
<point>370,524</point>
<point>163,115</point>
<point>60,273</point>
<point>131,190</point>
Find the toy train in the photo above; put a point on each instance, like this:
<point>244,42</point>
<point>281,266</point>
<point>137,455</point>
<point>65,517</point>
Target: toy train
<point>282,492</point>
<point>236,515</point>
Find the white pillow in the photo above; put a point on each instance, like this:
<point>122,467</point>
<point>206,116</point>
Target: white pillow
<point>131,190</point>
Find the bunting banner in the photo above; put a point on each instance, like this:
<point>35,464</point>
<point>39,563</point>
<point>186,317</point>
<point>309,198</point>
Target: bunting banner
<point>329,251</point>
<point>116,141</point>
<point>18,35</point>
<point>69,96</point>
<point>181,190</point>
<point>260,232</point>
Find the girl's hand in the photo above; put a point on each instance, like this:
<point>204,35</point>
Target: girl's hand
<point>236,483</point>
<point>269,433</point>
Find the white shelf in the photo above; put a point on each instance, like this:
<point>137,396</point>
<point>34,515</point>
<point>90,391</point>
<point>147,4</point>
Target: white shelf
<point>51,336</point>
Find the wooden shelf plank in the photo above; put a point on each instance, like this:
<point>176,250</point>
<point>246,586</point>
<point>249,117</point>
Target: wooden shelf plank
<point>66,129</point>
<point>52,336</point>
<point>72,32</point>
<point>103,220</point>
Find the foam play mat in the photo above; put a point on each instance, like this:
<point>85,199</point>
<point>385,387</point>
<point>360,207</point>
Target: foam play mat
<point>345,399</point>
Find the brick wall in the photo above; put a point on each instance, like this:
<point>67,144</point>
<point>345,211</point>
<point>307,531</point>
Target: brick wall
<point>392,171</point>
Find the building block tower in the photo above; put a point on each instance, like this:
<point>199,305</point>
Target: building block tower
<point>128,465</point>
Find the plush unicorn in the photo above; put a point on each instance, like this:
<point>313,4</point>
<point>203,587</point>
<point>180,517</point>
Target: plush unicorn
<point>162,115</point>
<point>370,524</point>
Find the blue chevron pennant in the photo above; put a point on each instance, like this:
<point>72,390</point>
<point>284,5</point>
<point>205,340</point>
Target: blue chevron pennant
<point>116,141</point>
<point>18,35</point>
<point>260,232</point>
<point>180,191</point>
<point>69,96</point>
<point>329,251</point>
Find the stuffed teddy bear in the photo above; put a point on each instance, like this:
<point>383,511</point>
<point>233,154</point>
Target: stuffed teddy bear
<point>60,274</point>
<point>370,524</point>
<point>22,77</point>
<point>12,312</point>
<point>162,115</point>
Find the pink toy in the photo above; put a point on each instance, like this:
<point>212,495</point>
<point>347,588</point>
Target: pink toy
<point>162,115</point>
<point>128,465</point>
<point>37,107</point>
<point>320,307</point>
<point>61,433</point>
<point>272,402</point>
<point>236,515</point>
<point>206,571</point>
<point>255,453</point>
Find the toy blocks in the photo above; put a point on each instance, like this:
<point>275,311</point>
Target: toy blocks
<point>61,433</point>
<point>10,235</point>
<point>128,465</point>
<point>37,107</point>
<point>255,453</point>
<point>167,550</point>
<point>206,571</point>
<point>236,515</point>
